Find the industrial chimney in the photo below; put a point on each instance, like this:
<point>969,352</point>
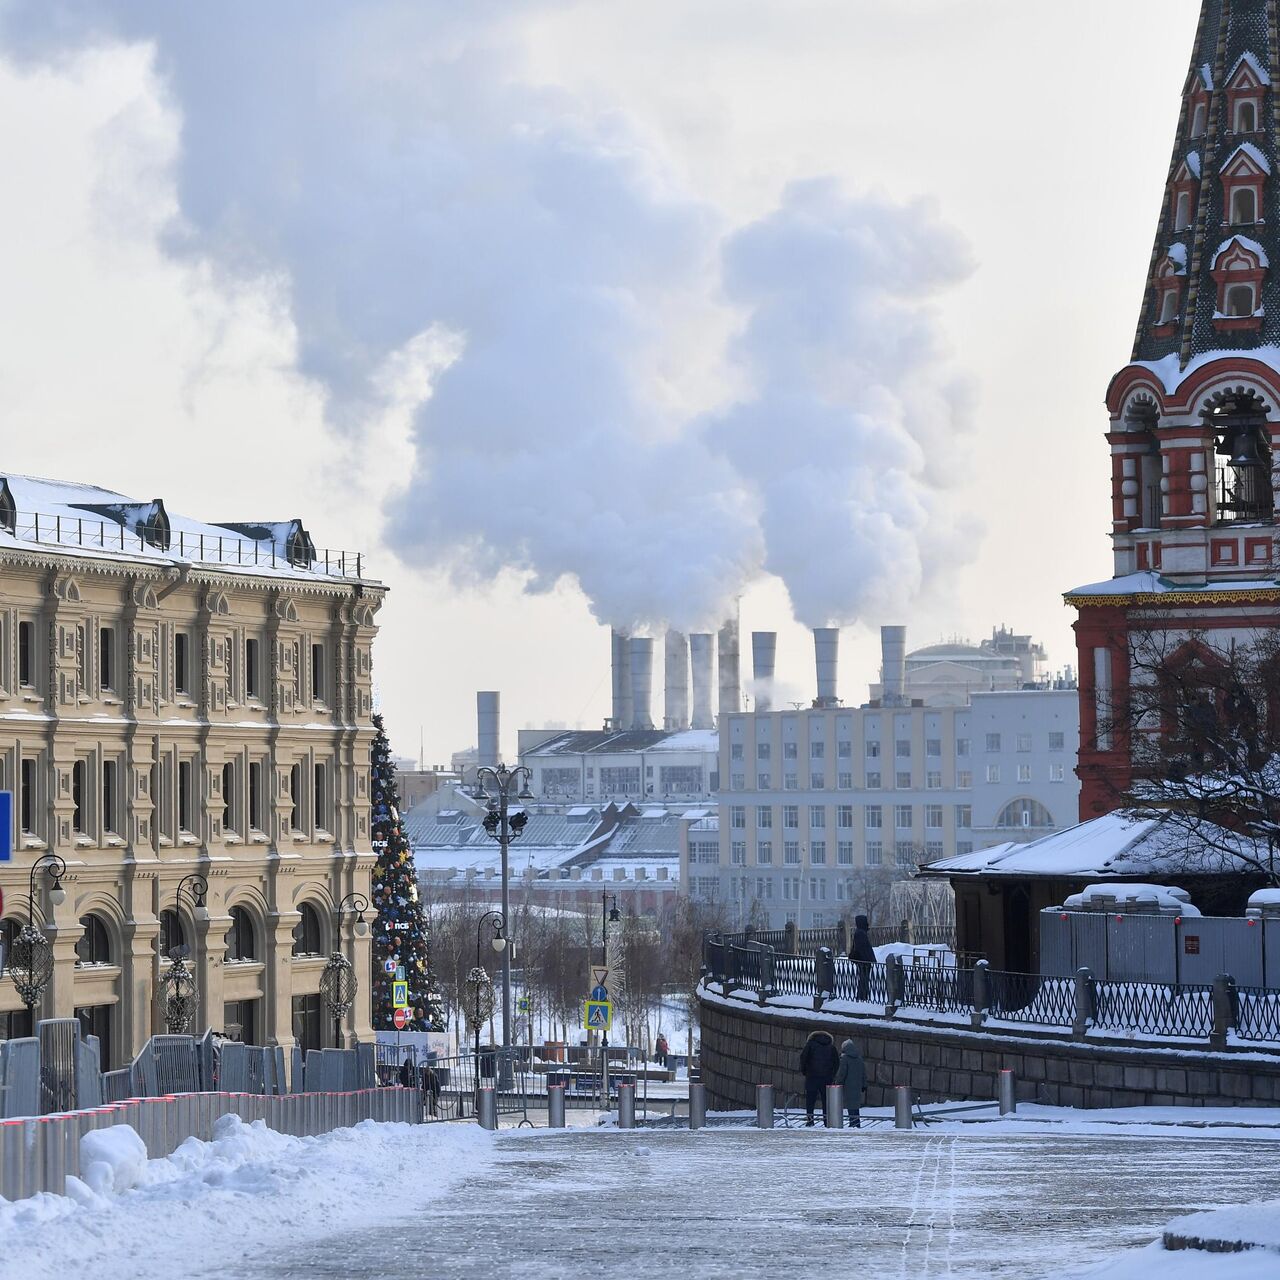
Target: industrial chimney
<point>826,653</point>
<point>701,655</point>
<point>487,728</point>
<point>893,666</point>
<point>641,661</point>
<point>764,653</point>
<point>730,675</point>
<point>675,671</point>
<point>622,705</point>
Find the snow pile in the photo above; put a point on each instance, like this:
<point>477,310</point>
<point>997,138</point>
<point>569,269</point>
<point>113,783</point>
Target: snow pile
<point>248,1192</point>
<point>1237,1227</point>
<point>112,1160</point>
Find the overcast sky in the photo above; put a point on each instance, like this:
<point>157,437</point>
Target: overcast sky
<point>235,316</point>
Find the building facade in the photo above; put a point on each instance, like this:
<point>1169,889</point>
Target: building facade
<point>179,698</point>
<point>1195,415</point>
<point>816,798</point>
<point>637,766</point>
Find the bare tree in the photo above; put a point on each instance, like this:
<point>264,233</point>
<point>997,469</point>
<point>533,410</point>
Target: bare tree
<point>1200,725</point>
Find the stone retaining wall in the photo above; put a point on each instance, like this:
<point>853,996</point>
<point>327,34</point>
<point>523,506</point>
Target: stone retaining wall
<point>743,1046</point>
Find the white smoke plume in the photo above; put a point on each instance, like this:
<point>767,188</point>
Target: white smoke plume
<point>852,432</point>
<point>391,162</point>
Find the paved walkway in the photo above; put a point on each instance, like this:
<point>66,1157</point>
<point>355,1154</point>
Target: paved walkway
<point>724,1203</point>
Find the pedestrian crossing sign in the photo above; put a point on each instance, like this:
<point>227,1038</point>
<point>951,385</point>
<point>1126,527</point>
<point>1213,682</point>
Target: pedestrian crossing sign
<point>597,1015</point>
<point>400,995</point>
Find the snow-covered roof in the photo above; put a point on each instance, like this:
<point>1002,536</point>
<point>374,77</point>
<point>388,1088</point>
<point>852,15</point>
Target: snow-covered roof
<point>1123,894</point>
<point>575,742</point>
<point>1193,163</point>
<point>1115,845</point>
<point>1206,76</point>
<point>1178,256</point>
<point>1252,246</point>
<point>1252,152</point>
<point>1145,582</point>
<point>1250,60</point>
<point>87,521</point>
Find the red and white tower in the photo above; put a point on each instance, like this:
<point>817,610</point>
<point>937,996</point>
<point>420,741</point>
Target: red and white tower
<point>1195,415</point>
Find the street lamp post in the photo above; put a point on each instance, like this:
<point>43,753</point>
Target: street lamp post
<point>498,787</point>
<point>607,915</point>
<point>338,981</point>
<point>31,965</point>
<point>499,943</point>
<point>182,988</point>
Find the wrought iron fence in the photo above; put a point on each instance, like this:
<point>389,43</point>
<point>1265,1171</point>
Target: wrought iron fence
<point>1154,1008</point>
<point>1028,997</point>
<point>867,983</point>
<point>1079,1004</point>
<point>1257,1013</point>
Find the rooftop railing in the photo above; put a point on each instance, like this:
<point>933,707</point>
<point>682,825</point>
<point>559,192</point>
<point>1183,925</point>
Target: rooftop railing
<point>91,534</point>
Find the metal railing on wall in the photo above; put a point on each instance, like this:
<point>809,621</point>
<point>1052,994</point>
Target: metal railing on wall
<point>1221,1013</point>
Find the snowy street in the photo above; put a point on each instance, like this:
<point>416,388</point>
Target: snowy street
<point>1018,1198</point>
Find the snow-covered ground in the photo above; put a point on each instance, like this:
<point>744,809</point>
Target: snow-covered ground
<point>1045,1193</point>
<point>215,1209</point>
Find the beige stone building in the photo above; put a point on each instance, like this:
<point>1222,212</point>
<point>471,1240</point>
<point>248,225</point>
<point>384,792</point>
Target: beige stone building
<point>179,698</point>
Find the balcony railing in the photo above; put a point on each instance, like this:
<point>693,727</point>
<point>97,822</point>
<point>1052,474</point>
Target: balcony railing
<point>90,534</point>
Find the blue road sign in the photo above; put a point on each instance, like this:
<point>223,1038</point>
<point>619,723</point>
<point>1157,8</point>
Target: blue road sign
<point>597,1015</point>
<point>599,993</point>
<point>6,826</point>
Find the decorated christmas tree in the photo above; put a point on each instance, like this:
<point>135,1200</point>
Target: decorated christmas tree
<point>400,932</point>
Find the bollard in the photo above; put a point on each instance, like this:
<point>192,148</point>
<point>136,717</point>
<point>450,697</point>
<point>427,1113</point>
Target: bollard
<point>555,1106</point>
<point>11,1153</point>
<point>764,1106</point>
<point>833,1112</point>
<point>487,1108</point>
<point>697,1105</point>
<point>626,1106</point>
<point>32,1182</point>
<point>902,1107</point>
<point>53,1155</point>
<point>1008,1092</point>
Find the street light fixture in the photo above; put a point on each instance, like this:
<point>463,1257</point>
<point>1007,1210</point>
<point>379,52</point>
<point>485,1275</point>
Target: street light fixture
<point>498,787</point>
<point>338,981</point>
<point>179,983</point>
<point>31,964</point>
<point>478,983</point>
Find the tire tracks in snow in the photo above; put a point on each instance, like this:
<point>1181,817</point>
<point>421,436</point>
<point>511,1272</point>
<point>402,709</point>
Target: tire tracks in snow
<point>925,1155</point>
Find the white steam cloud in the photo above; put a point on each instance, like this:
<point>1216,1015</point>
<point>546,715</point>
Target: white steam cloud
<point>391,163</point>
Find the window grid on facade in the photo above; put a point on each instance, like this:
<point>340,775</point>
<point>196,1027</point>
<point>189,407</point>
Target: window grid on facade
<point>902,816</point>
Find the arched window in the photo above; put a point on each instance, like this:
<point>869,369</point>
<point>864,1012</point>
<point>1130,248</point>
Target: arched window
<point>1025,813</point>
<point>308,939</point>
<point>1240,300</point>
<point>1242,450</point>
<point>8,508</point>
<point>241,942</point>
<point>1246,116</point>
<point>172,934</point>
<point>1244,206</point>
<point>1169,306</point>
<point>94,944</point>
<point>1199,119</point>
<point>1182,216</point>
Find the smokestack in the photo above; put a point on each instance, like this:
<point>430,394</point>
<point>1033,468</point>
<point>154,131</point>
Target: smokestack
<point>675,671</point>
<point>764,652</point>
<point>487,728</point>
<point>641,682</point>
<point>622,704</point>
<point>730,675</point>
<point>893,666</point>
<point>700,659</point>
<point>826,652</point>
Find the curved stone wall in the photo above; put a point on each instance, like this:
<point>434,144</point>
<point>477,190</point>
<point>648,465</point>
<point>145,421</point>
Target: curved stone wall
<point>744,1045</point>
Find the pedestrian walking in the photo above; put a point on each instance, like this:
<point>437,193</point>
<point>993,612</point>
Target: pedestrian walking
<point>863,955</point>
<point>406,1074</point>
<point>819,1062</point>
<point>660,1050</point>
<point>851,1076</point>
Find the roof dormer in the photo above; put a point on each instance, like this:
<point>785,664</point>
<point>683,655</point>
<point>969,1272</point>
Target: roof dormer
<point>148,520</point>
<point>8,508</point>
<point>1246,85</point>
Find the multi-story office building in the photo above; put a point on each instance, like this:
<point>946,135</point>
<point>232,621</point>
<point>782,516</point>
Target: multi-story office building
<point>181,698</point>
<point>814,798</point>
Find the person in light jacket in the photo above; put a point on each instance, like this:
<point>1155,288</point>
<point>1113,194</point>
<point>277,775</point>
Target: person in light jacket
<point>851,1076</point>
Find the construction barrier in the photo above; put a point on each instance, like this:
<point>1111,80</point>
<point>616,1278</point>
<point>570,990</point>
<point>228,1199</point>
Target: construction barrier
<point>40,1153</point>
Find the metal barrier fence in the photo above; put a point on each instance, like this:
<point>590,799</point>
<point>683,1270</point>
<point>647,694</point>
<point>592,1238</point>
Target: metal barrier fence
<point>1219,1012</point>
<point>837,937</point>
<point>40,1153</point>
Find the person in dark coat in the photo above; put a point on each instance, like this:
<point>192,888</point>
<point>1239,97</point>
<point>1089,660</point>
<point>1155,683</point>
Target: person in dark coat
<point>863,955</point>
<point>818,1063</point>
<point>406,1074</point>
<point>851,1076</point>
